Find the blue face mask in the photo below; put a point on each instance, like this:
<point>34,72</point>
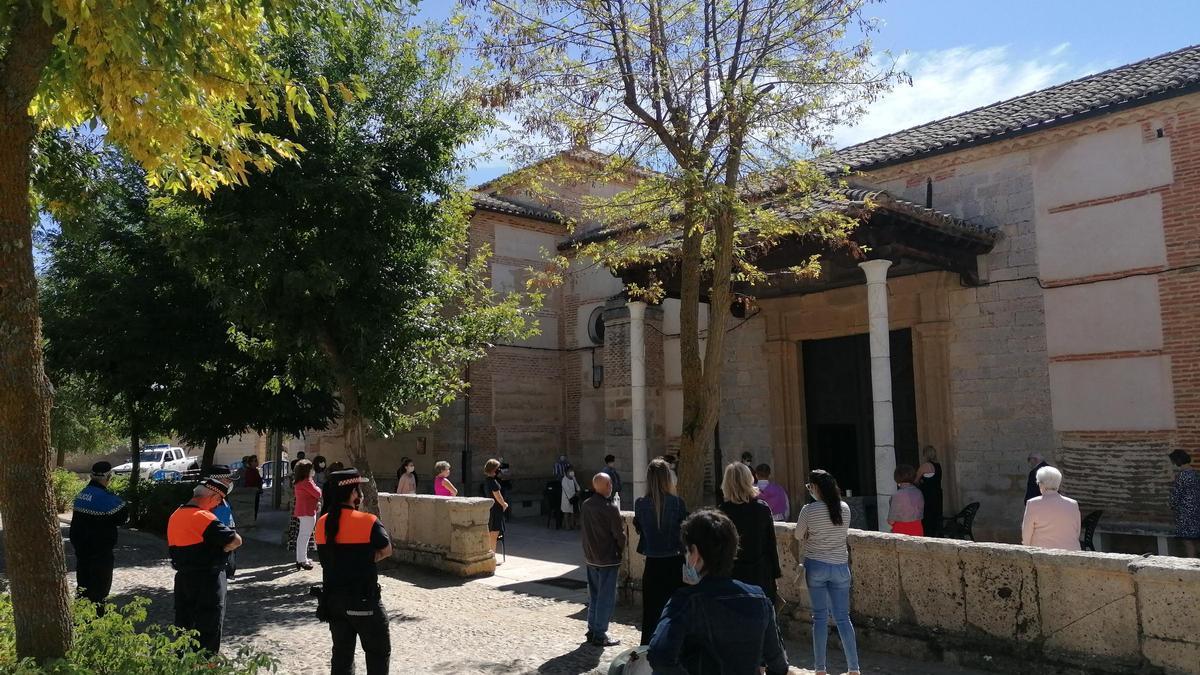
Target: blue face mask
<point>691,575</point>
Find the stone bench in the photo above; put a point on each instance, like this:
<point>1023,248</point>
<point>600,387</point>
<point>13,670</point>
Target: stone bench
<point>443,533</point>
<point>1002,605</point>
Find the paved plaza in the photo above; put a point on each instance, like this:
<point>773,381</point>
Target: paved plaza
<point>528,618</point>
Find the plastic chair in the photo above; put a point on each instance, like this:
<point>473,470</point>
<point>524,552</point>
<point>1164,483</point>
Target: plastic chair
<point>959,525</point>
<point>1090,522</point>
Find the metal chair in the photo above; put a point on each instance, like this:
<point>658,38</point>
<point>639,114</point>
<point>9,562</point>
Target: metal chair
<point>959,525</point>
<point>1090,522</point>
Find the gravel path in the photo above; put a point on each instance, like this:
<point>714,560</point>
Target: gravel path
<point>439,624</point>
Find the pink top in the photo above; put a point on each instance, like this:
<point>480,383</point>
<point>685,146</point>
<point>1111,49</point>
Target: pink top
<point>439,488</point>
<point>1051,521</point>
<point>775,497</point>
<point>307,496</point>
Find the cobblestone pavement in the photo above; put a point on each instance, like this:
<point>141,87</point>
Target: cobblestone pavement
<point>439,624</point>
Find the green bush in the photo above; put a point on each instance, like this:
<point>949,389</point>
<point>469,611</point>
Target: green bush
<point>156,501</point>
<point>67,484</point>
<point>112,644</point>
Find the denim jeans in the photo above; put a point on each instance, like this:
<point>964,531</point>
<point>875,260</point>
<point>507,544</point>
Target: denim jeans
<point>829,588</point>
<point>602,598</point>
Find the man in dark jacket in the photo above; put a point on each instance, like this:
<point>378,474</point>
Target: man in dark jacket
<point>1031,487</point>
<point>603,544</point>
<point>97,512</point>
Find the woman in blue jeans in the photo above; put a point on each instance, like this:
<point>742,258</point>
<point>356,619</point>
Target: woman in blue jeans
<point>821,530</point>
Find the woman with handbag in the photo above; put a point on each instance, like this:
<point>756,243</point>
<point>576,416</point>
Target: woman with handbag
<point>570,497</point>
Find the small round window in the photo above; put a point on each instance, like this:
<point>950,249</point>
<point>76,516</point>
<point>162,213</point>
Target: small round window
<point>596,325</point>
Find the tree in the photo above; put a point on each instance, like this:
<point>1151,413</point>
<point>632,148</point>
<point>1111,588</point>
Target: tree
<point>141,331</point>
<point>79,425</point>
<point>172,82</point>
<point>723,100</point>
<point>358,255</point>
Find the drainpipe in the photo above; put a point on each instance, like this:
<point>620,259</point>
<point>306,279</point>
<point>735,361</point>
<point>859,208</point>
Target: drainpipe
<point>637,393</point>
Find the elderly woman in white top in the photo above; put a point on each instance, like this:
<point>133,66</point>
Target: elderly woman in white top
<point>1051,520</point>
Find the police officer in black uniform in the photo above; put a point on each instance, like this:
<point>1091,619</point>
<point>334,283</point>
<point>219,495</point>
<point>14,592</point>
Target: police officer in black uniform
<point>97,512</point>
<point>200,545</point>
<point>350,543</point>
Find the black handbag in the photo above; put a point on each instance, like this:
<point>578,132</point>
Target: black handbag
<point>318,592</point>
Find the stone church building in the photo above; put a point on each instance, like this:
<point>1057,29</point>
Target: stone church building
<point>1033,286</point>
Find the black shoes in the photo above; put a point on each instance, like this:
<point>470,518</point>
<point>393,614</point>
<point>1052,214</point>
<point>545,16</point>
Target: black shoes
<point>602,640</point>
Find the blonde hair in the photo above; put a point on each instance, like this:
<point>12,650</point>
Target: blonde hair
<point>441,466</point>
<point>658,485</point>
<point>737,485</point>
<point>490,466</point>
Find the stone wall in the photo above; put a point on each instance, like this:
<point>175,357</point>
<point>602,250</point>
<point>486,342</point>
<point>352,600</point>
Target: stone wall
<point>442,533</point>
<point>1002,606</point>
<point>745,387</point>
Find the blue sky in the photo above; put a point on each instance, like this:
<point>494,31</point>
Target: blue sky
<point>963,54</point>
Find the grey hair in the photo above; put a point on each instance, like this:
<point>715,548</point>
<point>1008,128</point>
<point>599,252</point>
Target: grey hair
<point>1049,478</point>
<point>202,492</point>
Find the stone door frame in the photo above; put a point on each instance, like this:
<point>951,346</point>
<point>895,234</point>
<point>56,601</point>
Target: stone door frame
<point>918,302</point>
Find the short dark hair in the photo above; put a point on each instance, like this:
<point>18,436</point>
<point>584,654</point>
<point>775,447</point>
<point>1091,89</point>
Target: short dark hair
<point>904,473</point>
<point>763,470</point>
<point>609,459</point>
<point>746,456</point>
<point>1180,457</point>
<point>715,538</point>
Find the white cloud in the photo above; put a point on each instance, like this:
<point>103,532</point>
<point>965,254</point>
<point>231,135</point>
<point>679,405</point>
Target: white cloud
<point>950,81</point>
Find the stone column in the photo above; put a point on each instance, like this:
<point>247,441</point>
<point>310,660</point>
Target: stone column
<point>881,385</point>
<point>637,393</point>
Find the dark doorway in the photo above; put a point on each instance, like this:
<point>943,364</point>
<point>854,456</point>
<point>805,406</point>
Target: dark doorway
<point>839,412</point>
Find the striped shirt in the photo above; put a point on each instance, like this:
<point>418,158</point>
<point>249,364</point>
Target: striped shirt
<point>820,539</point>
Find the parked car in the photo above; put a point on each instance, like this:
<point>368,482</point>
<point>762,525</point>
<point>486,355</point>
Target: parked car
<point>268,473</point>
<point>160,460</point>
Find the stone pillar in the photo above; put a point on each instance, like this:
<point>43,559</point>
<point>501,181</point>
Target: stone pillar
<point>637,393</point>
<point>881,385</point>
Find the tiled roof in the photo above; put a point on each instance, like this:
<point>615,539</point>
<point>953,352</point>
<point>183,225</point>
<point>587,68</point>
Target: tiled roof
<point>496,204</point>
<point>1156,78</point>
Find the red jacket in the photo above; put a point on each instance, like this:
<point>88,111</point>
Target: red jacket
<point>307,496</point>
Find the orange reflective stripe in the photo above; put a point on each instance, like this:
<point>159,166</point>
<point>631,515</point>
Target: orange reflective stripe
<point>187,525</point>
<point>354,528</point>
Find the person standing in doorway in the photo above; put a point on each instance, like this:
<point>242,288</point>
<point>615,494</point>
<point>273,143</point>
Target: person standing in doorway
<point>657,517</point>
<point>908,504</point>
<point>96,514</point>
<point>569,503</point>
<point>1037,462</point>
<point>350,543</point>
<point>771,493</point>
<point>308,504</point>
<point>442,486</point>
<point>491,470</point>
<point>929,481</point>
<point>200,546</point>
<point>406,481</point>
<point>610,469</point>
<point>603,544</point>
<point>1185,501</point>
<point>821,531</point>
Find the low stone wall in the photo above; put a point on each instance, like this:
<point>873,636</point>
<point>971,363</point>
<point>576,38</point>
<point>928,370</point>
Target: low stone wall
<point>447,534</point>
<point>1001,605</point>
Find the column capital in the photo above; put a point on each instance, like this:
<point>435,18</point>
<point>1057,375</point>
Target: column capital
<point>876,270</point>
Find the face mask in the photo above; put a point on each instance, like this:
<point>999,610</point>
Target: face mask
<point>691,575</point>
<point>571,475</point>
<point>230,490</point>
<point>812,495</point>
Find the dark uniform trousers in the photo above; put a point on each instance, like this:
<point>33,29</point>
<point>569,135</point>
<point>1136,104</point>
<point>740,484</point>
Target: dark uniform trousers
<point>352,617</point>
<point>200,605</point>
<point>94,574</point>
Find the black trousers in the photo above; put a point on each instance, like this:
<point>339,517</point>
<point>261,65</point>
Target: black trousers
<point>663,576</point>
<point>356,619</point>
<point>200,606</point>
<point>94,574</point>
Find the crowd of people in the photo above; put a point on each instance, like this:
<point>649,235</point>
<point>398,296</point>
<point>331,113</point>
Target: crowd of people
<point>699,568</point>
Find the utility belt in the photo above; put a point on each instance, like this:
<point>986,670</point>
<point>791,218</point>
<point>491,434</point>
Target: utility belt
<point>363,601</point>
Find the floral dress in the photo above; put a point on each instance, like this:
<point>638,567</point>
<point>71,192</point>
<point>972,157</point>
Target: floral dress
<point>1185,502</point>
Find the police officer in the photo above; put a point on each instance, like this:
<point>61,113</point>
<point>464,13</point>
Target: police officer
<point>200,545</point>
<point>93,534</point>
<point>349,543</point>
<point>223,511</point>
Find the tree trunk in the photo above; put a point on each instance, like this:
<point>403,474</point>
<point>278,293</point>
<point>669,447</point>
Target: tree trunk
<point>36,565</point>
<point>354,431</point>
<point>210,452</point>
<point>60,457</point>
<point>135,456</point>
